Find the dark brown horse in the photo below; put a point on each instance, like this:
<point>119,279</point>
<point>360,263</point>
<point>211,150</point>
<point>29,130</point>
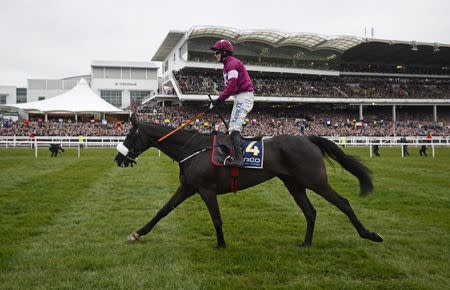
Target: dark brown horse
<point>297,161</point>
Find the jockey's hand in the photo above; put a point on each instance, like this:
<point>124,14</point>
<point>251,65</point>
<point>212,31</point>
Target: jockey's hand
<point>215,104</point>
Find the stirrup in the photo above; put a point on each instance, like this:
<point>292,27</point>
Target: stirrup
<point>231,162</point>
<point>226,160</point>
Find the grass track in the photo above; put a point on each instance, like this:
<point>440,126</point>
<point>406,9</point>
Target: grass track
<point>65,220</point>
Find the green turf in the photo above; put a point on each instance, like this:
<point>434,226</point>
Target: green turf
<point>64,223</point>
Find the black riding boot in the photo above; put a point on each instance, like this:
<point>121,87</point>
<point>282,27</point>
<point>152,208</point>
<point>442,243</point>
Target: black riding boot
<point>237,141</point>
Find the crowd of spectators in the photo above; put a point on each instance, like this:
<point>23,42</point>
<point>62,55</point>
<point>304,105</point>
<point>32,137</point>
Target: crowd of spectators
<point>261,121</point>
<point>289,85</point>
<point>390,68</point>
<point>275,121</point>
<point>61,128</point>
<point>329,65</point>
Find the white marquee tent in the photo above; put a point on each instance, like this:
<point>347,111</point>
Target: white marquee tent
<point>80,99</point>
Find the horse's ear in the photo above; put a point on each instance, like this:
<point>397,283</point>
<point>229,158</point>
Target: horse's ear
<point>134,119</point>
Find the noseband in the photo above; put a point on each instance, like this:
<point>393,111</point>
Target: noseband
<point>129,154</point>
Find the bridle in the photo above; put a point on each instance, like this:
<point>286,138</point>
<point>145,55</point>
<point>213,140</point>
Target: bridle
<point>130,154</point>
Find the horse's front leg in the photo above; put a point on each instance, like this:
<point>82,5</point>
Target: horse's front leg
<point>210,199</point>
<point>180,195</point>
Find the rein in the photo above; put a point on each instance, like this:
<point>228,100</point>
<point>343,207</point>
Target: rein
<point>181,127</point>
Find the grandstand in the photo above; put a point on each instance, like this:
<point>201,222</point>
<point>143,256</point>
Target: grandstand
<point>304,69</point>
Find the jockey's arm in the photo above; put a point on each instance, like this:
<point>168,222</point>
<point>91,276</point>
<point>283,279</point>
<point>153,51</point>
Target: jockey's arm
<point>232,86</point>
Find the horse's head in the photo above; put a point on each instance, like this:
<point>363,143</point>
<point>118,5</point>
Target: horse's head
<point>135,143</point>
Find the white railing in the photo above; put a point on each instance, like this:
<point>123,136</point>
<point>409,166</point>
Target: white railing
<point>68,141</point>
<point>111,142</point>
<point>388,140</point>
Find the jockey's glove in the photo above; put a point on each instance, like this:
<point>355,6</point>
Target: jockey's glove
<point>215,104</point>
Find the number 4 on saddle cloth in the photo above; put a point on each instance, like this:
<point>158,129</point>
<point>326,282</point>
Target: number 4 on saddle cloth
<point>253,149</point>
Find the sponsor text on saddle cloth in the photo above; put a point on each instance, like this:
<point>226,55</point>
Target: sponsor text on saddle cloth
<point>253,151</point>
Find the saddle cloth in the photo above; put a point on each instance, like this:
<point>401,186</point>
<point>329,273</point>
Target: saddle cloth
<point>253,149</point>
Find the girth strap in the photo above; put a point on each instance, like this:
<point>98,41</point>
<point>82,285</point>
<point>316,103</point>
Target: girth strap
<point>234,179</point>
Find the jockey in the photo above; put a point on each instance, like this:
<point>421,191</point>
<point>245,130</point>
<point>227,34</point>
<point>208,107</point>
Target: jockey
<point>238,84</point>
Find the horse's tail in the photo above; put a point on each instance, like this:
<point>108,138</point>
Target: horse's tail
<point>350,163</point>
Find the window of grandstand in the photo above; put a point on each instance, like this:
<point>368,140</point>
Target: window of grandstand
<point>112,97</point>
<point>183,51</point>
<point>2,99</point>
<point>113,72</point>
<point>21,95</point>
<point>98,72</point>
<point>126,73</point>
<point>41,98</point>
<point>54,85</point>
<point>152,74</point>
<point>138,96</point>
<point>138,73</point>
<point>35,84</point>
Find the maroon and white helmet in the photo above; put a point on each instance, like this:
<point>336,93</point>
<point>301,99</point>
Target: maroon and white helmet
<point>224,45</point>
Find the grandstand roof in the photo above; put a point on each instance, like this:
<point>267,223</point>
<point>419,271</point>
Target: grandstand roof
<point>353,48</point>
<point>172,38</point>
<point>401,52</point>
<point>212,31</point>
<point>133,64</point>
<point>270,37</point>
<point>307,40</point>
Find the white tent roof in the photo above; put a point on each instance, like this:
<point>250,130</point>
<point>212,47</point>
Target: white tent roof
<point>79,99</point>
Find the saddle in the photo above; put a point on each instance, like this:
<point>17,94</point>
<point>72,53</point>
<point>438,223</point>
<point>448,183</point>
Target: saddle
<point>253,149</point>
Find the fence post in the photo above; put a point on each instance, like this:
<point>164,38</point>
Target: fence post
<point>432,149</point>
<point>370,149</point>
<point>403,153</point>
<point>78,149</point>
<point>35,147</point>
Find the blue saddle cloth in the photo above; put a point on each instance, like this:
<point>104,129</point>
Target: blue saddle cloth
<point>253,151</point>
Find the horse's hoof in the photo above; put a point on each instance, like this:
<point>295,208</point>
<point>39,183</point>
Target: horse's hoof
<point>133,237</point>
<point>304,245</point>
<point>221,246</point>
<point>377,237</point>
<point>374,237</point>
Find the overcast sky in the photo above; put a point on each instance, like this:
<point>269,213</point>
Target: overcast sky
<point>59,38</point>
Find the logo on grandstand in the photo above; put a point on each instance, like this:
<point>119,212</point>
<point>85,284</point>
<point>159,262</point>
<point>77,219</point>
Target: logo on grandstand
<point>125,84</point>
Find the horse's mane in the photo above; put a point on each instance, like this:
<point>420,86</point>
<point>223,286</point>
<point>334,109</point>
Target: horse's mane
<point>183,132</point>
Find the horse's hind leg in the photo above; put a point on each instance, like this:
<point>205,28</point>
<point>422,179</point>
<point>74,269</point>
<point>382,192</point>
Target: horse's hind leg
<point>210,199</point>
<point>327,192</point>
<point>298,192</point>
<point>180,195</point>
